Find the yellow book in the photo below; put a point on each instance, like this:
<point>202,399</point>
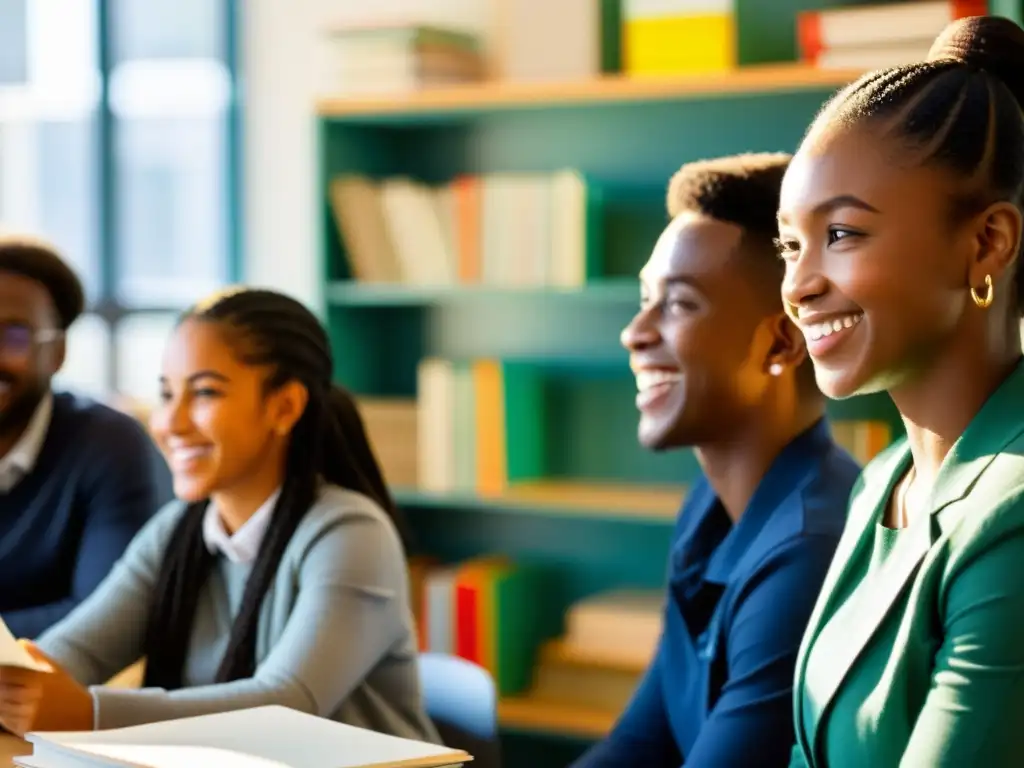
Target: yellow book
<point>489,393</point>
<point>690,44</point>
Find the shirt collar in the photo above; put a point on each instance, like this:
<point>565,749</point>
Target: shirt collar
<point>21,459</point>
<point>722,546</point>
<point>244,544</point>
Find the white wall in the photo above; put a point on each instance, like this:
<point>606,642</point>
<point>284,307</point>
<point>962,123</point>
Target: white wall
<point>280,68</point>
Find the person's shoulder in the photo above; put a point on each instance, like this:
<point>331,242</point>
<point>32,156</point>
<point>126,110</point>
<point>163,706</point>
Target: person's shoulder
<point>341,514</point>
<point>991,510</point>
<point>820,504</point>
<point>347,537</point>
<point>153,538</point>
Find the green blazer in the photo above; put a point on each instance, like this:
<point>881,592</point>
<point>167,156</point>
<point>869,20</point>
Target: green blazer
<point>924,665</point>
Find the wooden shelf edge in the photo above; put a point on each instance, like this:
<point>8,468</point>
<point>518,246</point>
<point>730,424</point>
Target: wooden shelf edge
<point>537,715</point>
<point>477,97</point>
<point>353,293</point>
<point>656,503</point>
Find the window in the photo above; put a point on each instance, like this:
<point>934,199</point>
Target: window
<point>13,55</point>
<point>118,143</point>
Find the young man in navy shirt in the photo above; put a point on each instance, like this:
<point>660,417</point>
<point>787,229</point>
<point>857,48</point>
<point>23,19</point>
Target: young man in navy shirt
<point>77,479</point>
<point>721,369</point>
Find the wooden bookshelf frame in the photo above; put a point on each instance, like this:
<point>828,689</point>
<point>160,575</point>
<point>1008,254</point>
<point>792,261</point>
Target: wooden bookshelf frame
<point>635,503</point>
<point>495,95</point>
<point>534,715</point>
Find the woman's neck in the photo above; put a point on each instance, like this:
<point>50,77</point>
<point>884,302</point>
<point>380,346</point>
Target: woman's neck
<point>938,405</point>
<point>236,505</point>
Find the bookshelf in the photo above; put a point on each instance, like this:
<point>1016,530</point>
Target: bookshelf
<point>602,515</point>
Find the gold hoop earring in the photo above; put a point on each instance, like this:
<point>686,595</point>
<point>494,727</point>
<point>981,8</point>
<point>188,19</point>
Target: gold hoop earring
<point>984,302</point>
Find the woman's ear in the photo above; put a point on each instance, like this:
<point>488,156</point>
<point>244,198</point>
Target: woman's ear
<point>788,349</point>
<point>286,405</point>
<point>998,238</point>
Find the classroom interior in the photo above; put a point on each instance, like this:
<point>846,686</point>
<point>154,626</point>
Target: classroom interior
<point>464,191</point>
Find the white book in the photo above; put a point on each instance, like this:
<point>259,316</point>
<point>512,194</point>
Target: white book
<point>263,737</point>
<point>13,653</point>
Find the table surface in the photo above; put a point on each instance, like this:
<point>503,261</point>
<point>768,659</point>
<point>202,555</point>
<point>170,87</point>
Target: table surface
<point>10,747</point>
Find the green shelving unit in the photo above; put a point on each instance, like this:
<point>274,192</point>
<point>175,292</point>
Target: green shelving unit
<point>628,137</point>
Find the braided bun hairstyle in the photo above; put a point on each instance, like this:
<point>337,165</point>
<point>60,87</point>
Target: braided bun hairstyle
<point>960,108</point>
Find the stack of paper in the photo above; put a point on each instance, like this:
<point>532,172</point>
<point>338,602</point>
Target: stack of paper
<point>264,737</point>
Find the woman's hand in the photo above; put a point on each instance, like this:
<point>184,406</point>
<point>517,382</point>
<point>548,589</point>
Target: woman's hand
<point>43,701</point>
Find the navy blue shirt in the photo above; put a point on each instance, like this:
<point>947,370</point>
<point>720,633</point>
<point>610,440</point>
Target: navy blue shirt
<point>719,690</point>
<point>96,481</point>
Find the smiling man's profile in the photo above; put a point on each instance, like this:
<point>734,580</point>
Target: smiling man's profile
<point>721,369</point>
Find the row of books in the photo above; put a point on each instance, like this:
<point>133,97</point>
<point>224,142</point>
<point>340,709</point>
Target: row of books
<point>478,427</point>
<point>498,613</point>
<point>530,41</point>
<point>482,426</point>
<point>880,35</point>
<point>489,610</point>
<point>540,40</point>
<point>505,229</point>
<point>693,36</point>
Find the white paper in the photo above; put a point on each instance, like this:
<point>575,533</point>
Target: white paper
<point>13,654</point>
<point>262,737</point>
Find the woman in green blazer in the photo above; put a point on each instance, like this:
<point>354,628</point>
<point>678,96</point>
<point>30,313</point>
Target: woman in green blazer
<point>900,225</point>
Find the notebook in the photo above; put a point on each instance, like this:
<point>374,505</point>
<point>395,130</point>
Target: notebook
<point>263,737</point>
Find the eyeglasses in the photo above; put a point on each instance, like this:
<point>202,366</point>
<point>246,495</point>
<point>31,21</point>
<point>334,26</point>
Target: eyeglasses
<point>17,340</point>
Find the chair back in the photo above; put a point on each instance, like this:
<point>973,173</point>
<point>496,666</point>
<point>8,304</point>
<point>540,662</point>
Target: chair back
<point>461,700</point>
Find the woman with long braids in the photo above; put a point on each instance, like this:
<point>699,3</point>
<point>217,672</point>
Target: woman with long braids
<point>278,577</point>
<point>900,226</point>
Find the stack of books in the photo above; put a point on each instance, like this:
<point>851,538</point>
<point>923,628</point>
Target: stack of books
<point>399,58</point>
<point>878,36</point>
<point>263,737</point>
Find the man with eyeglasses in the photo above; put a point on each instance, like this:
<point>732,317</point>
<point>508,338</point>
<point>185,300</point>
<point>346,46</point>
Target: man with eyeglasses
<point>77,478</point>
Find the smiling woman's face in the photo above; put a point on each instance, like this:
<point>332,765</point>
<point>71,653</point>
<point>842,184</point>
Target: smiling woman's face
<point>875,271</point>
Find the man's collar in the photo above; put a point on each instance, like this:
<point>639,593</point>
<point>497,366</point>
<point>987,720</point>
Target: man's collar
<point>21,459</point>
<point>728,544</point>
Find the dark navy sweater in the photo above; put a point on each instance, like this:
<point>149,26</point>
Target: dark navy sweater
<point>719,692</point>
<point>96,481</point>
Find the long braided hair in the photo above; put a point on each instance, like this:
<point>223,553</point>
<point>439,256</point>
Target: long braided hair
<point>328,443</point>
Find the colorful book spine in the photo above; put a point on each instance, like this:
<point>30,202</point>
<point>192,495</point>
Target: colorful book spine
<point>678,37</point>
<point>487,610</point>
<point>878,35</point>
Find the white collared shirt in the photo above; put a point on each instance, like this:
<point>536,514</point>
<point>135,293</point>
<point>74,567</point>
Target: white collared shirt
<point>244,544</point>
<point>21,459</point>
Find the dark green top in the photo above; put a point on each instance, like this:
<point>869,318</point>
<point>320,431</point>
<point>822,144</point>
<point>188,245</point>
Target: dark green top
<point>873,563</point>
<point>914,655</point>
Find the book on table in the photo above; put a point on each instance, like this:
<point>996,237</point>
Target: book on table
<point>262,737</point>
